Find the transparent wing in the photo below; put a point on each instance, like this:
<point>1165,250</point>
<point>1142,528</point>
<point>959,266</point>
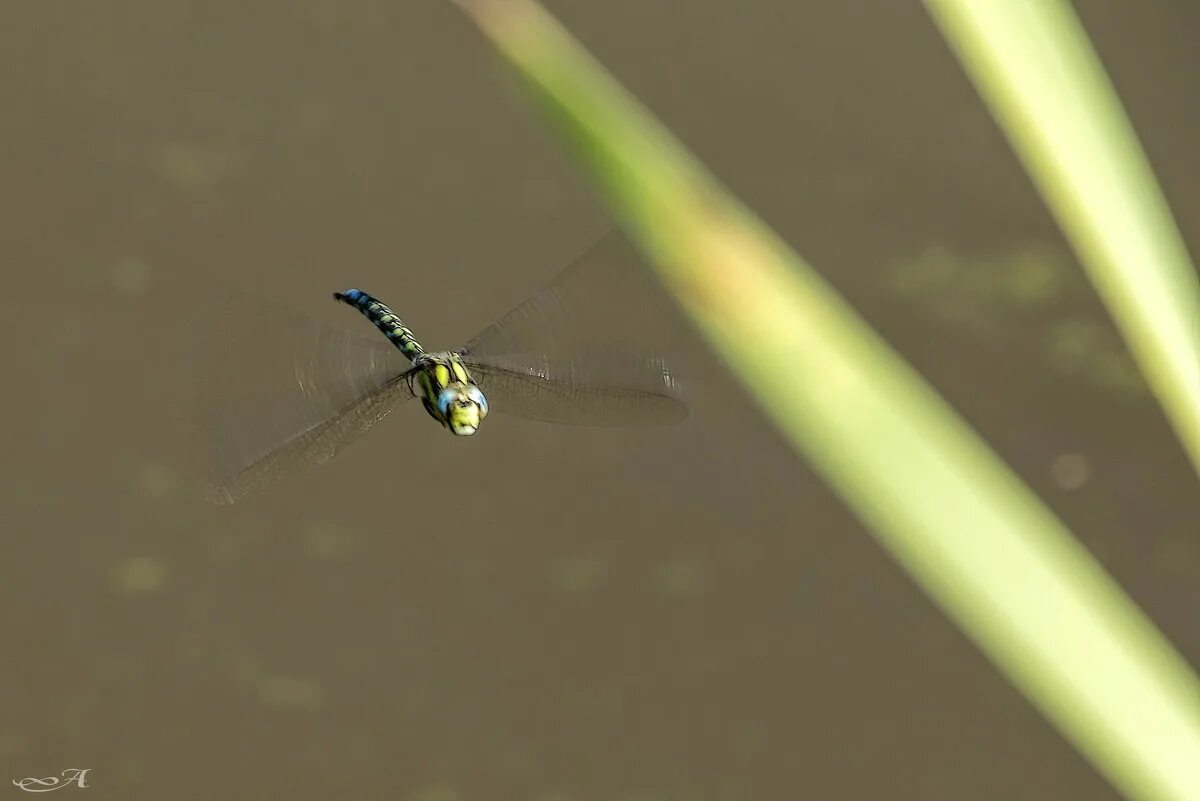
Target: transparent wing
<point>599,388</point>
<point>583,350</point>
<point>279,392</point>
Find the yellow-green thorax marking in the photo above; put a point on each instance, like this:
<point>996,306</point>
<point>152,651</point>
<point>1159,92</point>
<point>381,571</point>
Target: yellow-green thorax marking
<point>449,393</point>
<point>441,380</point>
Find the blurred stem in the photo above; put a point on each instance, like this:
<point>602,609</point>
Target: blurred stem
<point>1033,64</point>
<point>979,542</point>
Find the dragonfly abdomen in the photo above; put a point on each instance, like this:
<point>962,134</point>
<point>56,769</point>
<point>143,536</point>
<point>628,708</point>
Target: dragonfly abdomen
<point>384,319</point>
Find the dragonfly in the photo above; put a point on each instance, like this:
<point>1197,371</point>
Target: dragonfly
<point>281,392</point>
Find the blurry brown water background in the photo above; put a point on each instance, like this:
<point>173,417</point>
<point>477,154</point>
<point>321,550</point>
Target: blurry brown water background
<point>536,612</point>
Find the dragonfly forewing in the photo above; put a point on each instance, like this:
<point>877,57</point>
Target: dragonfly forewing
<point>278,391</point>
<point>242,472</point>
<point>607,388</point>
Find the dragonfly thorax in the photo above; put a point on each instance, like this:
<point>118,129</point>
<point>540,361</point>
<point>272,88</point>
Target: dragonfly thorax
<point>449,393</point>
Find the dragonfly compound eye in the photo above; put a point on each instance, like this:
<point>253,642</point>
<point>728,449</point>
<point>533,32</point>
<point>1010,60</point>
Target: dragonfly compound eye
<point>475,394</point>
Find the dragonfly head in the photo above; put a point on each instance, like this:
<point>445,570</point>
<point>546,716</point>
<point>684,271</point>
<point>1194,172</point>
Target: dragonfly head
<point>462,408</point>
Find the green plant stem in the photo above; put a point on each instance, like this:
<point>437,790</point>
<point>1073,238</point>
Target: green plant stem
<point>975,538</point>
<point>1033,64</point>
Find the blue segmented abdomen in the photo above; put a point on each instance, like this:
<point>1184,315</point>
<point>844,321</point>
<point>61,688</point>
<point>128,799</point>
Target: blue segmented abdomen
<point>384,319</point>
